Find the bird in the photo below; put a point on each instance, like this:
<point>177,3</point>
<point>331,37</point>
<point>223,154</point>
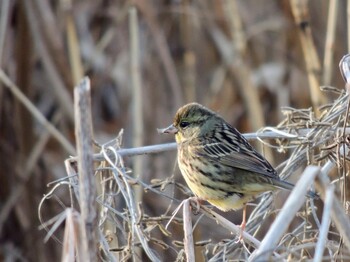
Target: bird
<point>218,163</point>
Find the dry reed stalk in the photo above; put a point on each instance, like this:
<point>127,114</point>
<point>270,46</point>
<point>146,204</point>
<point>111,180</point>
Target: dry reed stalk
<point>348,25</point>
<point>4,16</point>
<point>137,103</point>
<point>329,46</point>
<point>344,66</point>
<point>71,239</point>
<point>73,45</point>
<point>326,221</point>
<point>302,19</point>
<point>87,188</point>
<point>137,100</point>
<point>188,231</point>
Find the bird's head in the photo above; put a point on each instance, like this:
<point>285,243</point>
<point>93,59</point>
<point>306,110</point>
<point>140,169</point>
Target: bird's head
<point>191,121</point>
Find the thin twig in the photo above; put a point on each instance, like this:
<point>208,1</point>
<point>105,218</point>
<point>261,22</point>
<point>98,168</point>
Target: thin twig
<point>156,149</point>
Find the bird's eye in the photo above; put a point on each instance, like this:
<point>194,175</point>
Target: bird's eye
<point>184,124</point>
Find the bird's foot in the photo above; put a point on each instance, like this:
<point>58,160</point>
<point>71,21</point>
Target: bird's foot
<point>195,204</point>
<point>243,224</point>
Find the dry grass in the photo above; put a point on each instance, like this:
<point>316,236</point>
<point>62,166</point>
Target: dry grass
<point>257,63</point>
<point>299,230</point>
<point>129,229</point>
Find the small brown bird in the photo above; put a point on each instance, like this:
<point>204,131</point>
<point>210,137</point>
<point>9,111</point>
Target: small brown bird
<point>218,163</point>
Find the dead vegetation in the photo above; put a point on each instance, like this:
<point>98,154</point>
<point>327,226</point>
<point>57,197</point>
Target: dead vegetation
<point>257,63</point>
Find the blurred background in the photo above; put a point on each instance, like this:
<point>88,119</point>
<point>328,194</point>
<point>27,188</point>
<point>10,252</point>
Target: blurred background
<point>242,58</point>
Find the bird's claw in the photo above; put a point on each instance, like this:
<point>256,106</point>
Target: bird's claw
<point>195,205</point>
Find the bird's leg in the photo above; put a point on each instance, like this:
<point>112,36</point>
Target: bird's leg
<point>243,224</point>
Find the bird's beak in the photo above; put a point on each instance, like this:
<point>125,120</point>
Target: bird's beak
<point>168,130</point>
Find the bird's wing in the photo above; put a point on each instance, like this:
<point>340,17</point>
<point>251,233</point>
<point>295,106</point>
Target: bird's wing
<point>233,150</point>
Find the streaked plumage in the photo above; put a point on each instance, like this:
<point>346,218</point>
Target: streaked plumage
<point>217,162</point>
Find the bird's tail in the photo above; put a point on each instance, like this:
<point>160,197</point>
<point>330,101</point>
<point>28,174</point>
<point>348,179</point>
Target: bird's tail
<point>289,186</point>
